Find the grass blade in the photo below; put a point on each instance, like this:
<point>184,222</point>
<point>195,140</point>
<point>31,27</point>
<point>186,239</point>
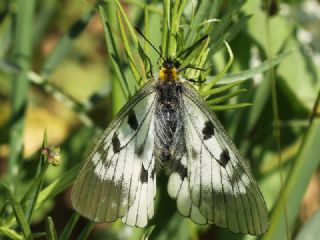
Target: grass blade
<point>58,185</point>
<point>134,69</point>
<point>33,193</point>
<point>146,235</point>
<point>86,231</point>
<point>306,164</point>
<point>175,18</point>
<point>50,229</point>
<point>63,46</point>
<point>218,77</point>
<point>247,74</point>
<point>225,97</point>
<point>18,212</point>
<point>113,53</point>
<point>221,88</point>
<point>65,235</point>
<point>165,27</point>
<point>230,106</point>
<point>10,233</point>
<point>22,54</point>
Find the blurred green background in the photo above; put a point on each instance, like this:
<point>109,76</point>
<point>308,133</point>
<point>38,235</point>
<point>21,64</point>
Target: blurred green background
<point>56,74</point>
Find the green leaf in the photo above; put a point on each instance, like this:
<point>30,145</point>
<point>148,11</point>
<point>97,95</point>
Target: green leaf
<point>86,231</point>
<point>206,9</point>
<point>32,194</point>
<point>50,229</point>
<point>230,106</point>
<point>64,45</point>
<point>65,235</point>
<point>218,35</point>
<point>211,82</point>
<point>154,8</point>
<point>20,83</point>
<point>128,24</point>
<point>304,167</point>
<point>58,185</point>
<point>236,27</point>
<point>134,69</point>
<point>10,233</point>
<point>114,57</point>
<point>175,18</point>
<point>148,232</point>
<point>18,212</point>
<point>54,188</point>
<point>39,235</point>
<point>166,23</point>
<point>225,97</point>
<point>247,74</point>
<point>220,89</point>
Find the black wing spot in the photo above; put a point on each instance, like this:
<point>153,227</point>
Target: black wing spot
<point>132,120</point>
<point>224,158</point>
<point>194,154</point>
<point>153,173</point>
<point>115,143</point>
<point>139,150</point>
<point>208,130</point>
<point>143,175</point>
<point>182,171</point>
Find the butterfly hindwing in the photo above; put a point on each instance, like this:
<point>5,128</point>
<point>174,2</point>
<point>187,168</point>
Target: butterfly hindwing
<point>117,180</point>
<point>218,187</point>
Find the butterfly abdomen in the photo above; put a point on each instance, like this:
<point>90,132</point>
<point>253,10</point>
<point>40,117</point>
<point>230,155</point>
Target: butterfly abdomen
<point>169,142</point>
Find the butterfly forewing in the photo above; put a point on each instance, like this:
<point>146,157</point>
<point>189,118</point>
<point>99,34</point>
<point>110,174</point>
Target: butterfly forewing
<point>218,188</point>
<point>117,180</point>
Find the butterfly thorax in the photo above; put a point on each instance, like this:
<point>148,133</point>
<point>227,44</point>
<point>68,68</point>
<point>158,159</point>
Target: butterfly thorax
<point>169,143</point>
<point>168,71</point>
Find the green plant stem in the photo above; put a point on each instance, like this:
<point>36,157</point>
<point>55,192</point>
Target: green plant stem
<point>120,86</point>
<point>277,133</point>
<point>213,82</point>
<point>86,231</point>
<point>65,235</point>
<point>178,7</point>
<point>22,54</point>
<point>164,40</point>
<point>13,235</point>
<point>230,106</point>
<point>63,47</point>
<point>152,8</point>
<point>50,229</point>
<point>225,97</point>
<point>135,71</point>
<point>36,186</point>
<point>18,213</point>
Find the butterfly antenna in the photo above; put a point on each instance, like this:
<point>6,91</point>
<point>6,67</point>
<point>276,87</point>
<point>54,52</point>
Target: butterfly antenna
<point>191,47</point>
<point>144,37</point>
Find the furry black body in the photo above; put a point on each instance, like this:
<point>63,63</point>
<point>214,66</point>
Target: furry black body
<point>169,127</point>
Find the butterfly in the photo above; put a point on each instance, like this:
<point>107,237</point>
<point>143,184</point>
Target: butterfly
<point>168,125</point>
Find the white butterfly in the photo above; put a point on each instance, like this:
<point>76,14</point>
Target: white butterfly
<point>167,124</point>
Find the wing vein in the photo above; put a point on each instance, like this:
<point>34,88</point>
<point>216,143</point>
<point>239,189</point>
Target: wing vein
<point>138,128</point>
<point>134,159</point>
<point>224,198</point>
<point>122,177</point>
<point>234,199</point>
<point>242,195</point>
